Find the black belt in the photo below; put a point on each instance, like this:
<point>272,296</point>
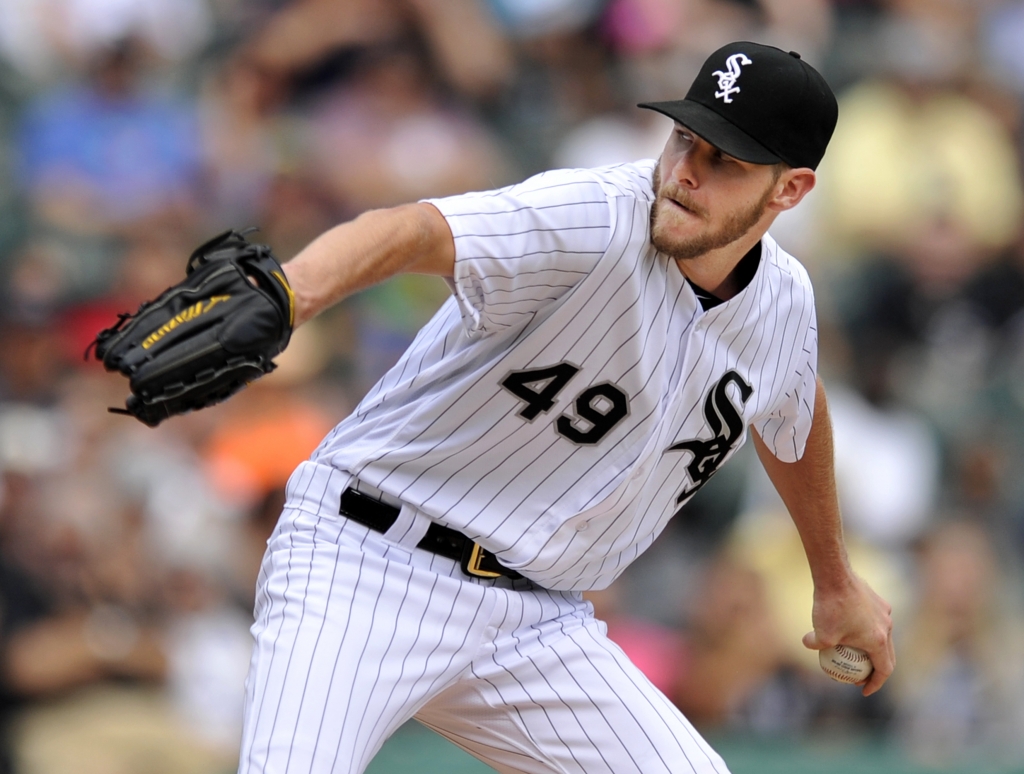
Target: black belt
<point>443,541</point>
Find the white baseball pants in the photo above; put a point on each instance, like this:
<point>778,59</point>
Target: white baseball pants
<point>356,632</point>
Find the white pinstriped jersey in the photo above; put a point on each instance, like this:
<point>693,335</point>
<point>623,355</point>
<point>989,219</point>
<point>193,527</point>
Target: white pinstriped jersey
<point>573,393</point>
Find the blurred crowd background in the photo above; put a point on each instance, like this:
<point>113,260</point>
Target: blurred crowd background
<point>133,130</point>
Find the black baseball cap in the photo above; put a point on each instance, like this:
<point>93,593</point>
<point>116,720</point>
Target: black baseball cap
<point>759,104</point>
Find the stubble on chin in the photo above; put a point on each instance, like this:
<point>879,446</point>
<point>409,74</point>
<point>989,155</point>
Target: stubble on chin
<point>734,227</point>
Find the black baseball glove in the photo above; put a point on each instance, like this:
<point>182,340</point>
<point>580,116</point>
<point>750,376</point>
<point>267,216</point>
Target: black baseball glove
<point>204,339</point>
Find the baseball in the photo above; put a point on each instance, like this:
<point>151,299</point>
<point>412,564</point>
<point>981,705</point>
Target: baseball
<point>845,664</point>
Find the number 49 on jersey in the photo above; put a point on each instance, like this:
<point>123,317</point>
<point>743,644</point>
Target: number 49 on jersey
<point>598,408</point>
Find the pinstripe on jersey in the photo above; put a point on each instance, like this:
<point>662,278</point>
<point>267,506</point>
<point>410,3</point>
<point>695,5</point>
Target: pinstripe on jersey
<point>558,273</point>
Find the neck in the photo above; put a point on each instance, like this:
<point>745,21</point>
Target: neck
<point>715,271</point>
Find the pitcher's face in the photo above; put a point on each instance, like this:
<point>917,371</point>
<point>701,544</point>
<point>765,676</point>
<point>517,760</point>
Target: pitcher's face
<point>706,199</point>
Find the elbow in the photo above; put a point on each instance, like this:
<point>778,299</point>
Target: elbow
<point>435,244</point>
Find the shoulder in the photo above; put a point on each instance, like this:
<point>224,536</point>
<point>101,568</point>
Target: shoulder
<point>556,188</point>
<point>787,269</point>
<point>629,179</point>
<point>635,179</point>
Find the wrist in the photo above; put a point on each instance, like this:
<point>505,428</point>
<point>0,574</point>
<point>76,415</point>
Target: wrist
<point>835,577</point>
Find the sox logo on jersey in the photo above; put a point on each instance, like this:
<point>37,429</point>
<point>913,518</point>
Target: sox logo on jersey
<point>727,78</point>
<point>727,428</point>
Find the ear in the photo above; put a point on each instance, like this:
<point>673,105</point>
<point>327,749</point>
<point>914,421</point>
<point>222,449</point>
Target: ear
<point>792,187</point>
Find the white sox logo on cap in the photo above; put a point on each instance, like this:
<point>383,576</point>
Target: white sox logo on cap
<point>727,79</point>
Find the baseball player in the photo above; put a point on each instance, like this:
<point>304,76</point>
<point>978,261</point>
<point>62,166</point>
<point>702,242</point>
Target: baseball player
<point>611,335</point>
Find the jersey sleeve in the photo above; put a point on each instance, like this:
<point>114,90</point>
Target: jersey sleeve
<point>785,430</point>
<point>520,248</point>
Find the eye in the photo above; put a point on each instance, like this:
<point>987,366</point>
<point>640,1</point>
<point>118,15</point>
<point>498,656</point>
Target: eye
<point>684,137</point>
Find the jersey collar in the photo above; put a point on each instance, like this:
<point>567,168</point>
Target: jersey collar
<point>745,271</point>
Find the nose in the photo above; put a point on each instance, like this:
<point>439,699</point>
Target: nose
<point>684,171</point>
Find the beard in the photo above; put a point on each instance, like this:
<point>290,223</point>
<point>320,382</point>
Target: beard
<point>735,226</point>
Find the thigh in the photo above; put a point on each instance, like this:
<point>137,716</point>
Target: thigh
<point>559,696</point>
<point>348,644</point>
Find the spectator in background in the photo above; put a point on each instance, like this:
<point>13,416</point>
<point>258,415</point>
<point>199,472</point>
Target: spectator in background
<point>463,45</point>
<point>960,694</point>
<point>114,551</point>
<point>738,674</point>
<point>991,484</point>
<point>922,197</point>
<point>44,40</point>
<point>385,136</point>
<point>1002,29</point>
<point>31,365</point>
<point>915,146</point>
<point>925,132</point>
<point>913,155</point>
<point>101,155</point>
<point>241,140</point>
<point>937,38</point>
<point>79,591</point>
<point>386,95</point>
<point>662,43</point>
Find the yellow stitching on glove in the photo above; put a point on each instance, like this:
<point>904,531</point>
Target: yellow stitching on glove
<point>182,317</point>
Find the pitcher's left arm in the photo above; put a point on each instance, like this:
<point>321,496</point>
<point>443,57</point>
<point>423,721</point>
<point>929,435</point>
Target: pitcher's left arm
<point>846,610</point>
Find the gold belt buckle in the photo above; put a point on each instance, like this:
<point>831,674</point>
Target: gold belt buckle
<point>472,561</point>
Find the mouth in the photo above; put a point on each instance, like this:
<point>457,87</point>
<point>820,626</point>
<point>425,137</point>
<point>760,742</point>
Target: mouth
<point>688,209</point>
